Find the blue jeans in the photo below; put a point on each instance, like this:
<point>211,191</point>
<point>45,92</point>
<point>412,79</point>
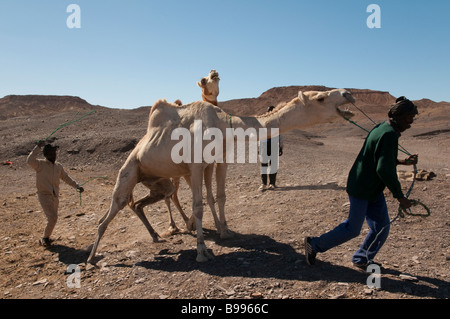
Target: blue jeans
<point>377,217</point>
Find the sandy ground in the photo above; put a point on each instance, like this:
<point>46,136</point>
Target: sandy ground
<point>265,258</point>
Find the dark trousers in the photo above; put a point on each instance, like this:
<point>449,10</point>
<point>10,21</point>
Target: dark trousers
<point>377,217</point>
<point>272,177</point>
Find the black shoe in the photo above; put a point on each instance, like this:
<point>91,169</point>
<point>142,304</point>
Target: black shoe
<point>310,254</point>
<point>363,266</point>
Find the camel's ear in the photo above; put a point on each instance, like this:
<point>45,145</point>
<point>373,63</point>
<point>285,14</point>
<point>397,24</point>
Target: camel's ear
<point>320,96</point>
<point>302,97</point>
<point>202,82</point>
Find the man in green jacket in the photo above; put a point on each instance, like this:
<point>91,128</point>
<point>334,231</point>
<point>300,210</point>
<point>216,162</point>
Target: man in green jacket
<point>374,169</point>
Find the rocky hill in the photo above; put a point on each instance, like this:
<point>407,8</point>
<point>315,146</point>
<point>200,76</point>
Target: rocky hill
<point>27,118</point>
<point>29,105</point>
<point>26,105</point>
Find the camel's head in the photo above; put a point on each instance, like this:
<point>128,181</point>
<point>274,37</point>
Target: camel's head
<point>210,87</point>
<point>327,103</point>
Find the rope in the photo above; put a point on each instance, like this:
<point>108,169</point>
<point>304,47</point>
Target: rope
<point>400,148</point>
<point>67,124</point>
<point>401,214</point>
<point>375,123</point>
<point>354,123</point>
<point>401,210</point>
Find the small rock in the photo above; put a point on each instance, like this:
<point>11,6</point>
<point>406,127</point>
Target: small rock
<point>256,295</point>
<point>407,277</point>
<point>230,292</point>
<point>40,282</point>
<point>131,254</point>
<point>368,291</point>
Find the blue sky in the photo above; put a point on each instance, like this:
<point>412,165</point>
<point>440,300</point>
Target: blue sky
<point>130,53</point>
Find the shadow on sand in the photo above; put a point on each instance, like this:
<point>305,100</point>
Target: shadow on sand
<point>69,255</point>
<point>330,185</point>
<point>259,256</point>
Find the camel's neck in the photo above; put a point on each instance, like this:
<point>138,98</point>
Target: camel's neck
<point>283,119</point>
<point>244,122</point>
<point>211,100</point>
<point>251,122</point>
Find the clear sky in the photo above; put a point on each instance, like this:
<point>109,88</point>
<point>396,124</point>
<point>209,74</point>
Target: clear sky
<point>130,53</point>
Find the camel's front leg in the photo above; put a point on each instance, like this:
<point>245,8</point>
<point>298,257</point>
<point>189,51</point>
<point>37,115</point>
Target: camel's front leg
<point>125,183</point>
<point>221,174</point>
<point>104,222</point>
<point>197,208</point>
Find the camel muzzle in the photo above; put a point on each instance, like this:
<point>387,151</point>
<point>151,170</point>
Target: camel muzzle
<point>345,113</point>
<point>350,99</point>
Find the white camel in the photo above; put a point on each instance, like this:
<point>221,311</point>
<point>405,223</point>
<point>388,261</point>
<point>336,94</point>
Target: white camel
<point>210,91</point>
<point>151,163</point>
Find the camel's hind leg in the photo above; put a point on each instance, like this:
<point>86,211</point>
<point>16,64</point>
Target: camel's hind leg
<point>221,172</point>
<point>126,181</point>
<point>208,173</point>
<point>210,196</point>
<point>197,209</point>
<point>173,228</point>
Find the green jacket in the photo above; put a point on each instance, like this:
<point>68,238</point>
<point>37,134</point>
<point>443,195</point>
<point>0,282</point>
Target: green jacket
<point>375,168</point>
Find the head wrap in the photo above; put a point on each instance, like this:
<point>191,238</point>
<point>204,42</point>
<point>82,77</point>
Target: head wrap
<point>402,107</point>
<point>48,148</point>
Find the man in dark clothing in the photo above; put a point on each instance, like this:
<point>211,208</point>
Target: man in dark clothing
<point>373,170</point>
<point>269,161</point>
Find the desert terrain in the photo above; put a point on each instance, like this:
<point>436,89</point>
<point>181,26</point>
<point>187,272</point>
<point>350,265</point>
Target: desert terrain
<point>265,258</point>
